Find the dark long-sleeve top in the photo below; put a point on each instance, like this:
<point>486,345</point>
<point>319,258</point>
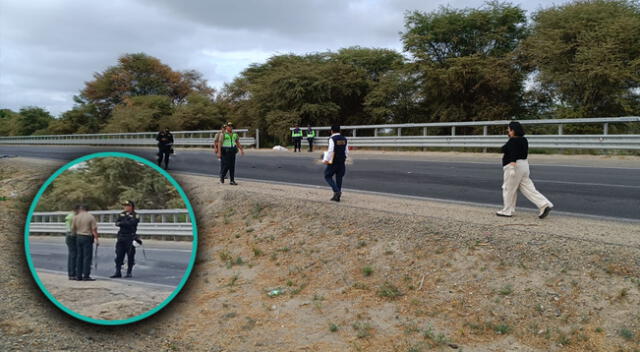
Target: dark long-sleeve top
<point>128,223</point>
<point>516,148</point>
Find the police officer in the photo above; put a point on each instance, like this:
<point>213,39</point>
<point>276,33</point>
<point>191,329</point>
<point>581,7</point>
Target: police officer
<point>229,144</point>
<point>335,159</point>
<point>165,147</point>
<point>311,135</point>
<point>296,135</point>
<point>128,222</point>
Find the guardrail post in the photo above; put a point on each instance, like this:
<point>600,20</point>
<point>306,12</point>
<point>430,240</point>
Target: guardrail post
<point>605,128</point>
<point>560,128</point>
<point>257,138</point>
<point>354,132</point>
<point>424,131</point>
<point>484,133</point>
<point>453,130</point>
<point>375,132</point>
<point>399,131</point>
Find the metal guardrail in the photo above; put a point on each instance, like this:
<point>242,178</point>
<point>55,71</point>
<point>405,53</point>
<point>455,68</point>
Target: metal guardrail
<point>158,222</point>
<point>631,142</point>
<point>559,141</point>
<point>181,138</point>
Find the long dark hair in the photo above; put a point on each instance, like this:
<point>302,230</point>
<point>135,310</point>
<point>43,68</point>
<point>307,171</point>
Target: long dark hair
<point>517,128</point>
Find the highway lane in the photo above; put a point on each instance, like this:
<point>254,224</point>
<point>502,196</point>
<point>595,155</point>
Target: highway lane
<point>596,191</point>
<point>165,264</point>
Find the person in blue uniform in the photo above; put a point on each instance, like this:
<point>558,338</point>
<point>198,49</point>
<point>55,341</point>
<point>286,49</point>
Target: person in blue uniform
<point>128,223</point>
<point>335,159</point>
<point>165,147</point>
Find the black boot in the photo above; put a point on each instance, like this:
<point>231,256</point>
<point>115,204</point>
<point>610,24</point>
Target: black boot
<point>129,269</point>
<point>336,197</point>
<point>339,195</point>
<point>117,274</point>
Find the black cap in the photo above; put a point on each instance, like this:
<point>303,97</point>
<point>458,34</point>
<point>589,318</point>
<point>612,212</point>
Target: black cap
<point>129,202</point>
<point>335,128</point>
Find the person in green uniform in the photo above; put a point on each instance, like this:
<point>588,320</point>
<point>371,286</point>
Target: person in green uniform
<point>296,135</point>
<point>311,135</point>
<point>229,144</point>
<point>70,240</point>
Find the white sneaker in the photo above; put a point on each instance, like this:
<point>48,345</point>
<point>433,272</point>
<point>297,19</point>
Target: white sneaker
<point>500,213</point>
<point>545,211</point>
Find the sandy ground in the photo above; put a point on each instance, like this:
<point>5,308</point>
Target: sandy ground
<point>372,273</point>
<point>104,299</point>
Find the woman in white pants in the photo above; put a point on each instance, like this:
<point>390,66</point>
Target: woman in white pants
<point>516,174</point>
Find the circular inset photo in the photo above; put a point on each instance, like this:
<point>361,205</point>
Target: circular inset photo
<point>110,238</point>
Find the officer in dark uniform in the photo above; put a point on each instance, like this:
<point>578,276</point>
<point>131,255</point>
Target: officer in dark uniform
<point>165,147</point>
<point>296,135</point>
<point>335,159</point>
<point>128,222</point>
<point>311,135</point>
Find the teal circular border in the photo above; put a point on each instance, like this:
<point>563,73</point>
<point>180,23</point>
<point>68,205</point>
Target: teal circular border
<point>120,321</point>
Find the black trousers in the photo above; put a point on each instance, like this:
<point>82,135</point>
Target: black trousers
<point>297,143</point>
<point>72,255</point>
<point>338,170</point>
<point>228,163</point>
<point>310,140</point>
<point>84,255</point>
<point>124,246</point>
<point>163,155</point>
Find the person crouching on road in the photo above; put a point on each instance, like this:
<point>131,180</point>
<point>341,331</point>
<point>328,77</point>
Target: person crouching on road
<point>85,226</point>
<point>516,174</point>
<point>335,159</point>
<point>72,245</point>
<point>227,150</point>
<point>128,223</point>
<point>165,147</point>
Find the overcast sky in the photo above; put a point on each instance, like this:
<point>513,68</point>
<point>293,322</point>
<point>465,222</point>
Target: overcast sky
<point>49,48</point>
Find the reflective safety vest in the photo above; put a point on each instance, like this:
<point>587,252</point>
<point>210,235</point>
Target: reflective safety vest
<point>296,133</point>
<point>229,140</point>
<point>311,134</point>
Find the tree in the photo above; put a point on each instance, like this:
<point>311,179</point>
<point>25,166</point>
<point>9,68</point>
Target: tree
<point>8,122</point>
<point>464,61</point>
<point>139,75</point>
<point>32,120</point>
<point>199,112</point>
<point>315,89</point>
<point>140,113</point>
<point>103,183</point>
<point>587,57</point>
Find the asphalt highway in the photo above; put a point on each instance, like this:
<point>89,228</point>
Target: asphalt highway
<point>165,263</point>
<point>583,190</point>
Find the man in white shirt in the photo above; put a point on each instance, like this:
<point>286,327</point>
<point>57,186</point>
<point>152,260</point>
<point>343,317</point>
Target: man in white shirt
<point>335,159</point>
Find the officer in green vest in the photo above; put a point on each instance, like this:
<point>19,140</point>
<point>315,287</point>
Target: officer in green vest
<point>296,135</point>
<point>229,144</point>
<point>311,134</point>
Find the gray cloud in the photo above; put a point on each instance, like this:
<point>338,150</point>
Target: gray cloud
<point>48,49</point>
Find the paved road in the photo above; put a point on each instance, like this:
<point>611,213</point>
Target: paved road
<point>165,264</point>
<point>599,191</point>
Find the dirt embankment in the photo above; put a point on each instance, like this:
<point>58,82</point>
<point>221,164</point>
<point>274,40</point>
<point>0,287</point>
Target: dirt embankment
<point>103,299</point>
<point>369,274</point>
